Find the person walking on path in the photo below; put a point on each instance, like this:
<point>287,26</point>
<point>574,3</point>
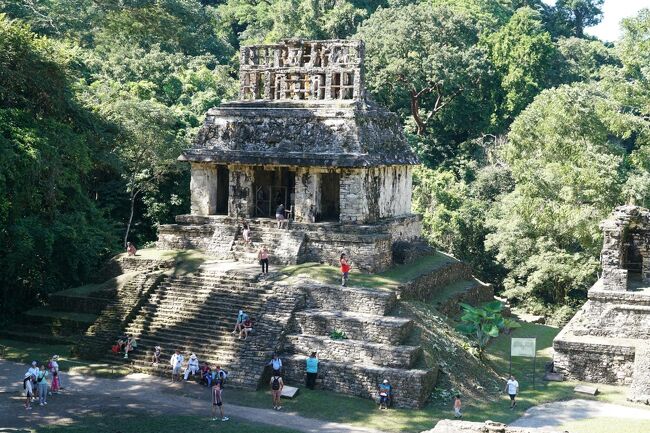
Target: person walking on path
<point>512,388</point>
<point>312,370</point>
<point>176,361</point>
<point>457,407</point>
<point>276,389</point>
<point>345,269</point>
<point>41,381</point>
<point>217,401</point>
<point>263,257</point>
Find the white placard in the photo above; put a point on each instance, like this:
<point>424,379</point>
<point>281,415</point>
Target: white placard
<point>523,347</point>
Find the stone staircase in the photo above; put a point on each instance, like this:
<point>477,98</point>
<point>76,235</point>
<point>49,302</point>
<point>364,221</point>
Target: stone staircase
<point>197,314</point>
<point>116,313</point>
<point>374,350</point>
<point>285,246</point>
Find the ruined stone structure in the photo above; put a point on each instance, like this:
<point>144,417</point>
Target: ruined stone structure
<point>607,340</point>
<point>302,134</point>
<point>455,426</point>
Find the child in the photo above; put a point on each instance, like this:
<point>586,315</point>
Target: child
<point>457,406</point>
<point>155,359</point>
<point>246,234</point>
<point>130,249</point>
<point>29,390</point>
<point>217,401</point>
<point>54,369</point>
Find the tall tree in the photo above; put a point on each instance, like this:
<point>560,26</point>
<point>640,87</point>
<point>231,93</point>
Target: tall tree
<point>579,14</point>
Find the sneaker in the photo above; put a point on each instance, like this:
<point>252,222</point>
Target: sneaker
<point>214,419</point>
<point>225,418</point>
<point>279,407</point>
<point>44,402</point>
<point>41,404</point>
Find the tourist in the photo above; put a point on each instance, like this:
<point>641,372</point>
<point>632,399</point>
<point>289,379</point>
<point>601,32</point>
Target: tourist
<point>385,392</point>
<point>122,341</point>
<point>241,316</point>
<point>176,361</point>
<point>276,389</point>
<point>457,407</point>
<point>220,375</point>
<point>312,370</point>
<point>247,327</point>
<point>206,374</point>
<point>192,366</point>
<point>276,363</point>
<point>279,216</point>
<point>53,366</point>
<point>263,257</point>
<point>41,383</point>
<point>345,269</point>
<point>155,358</point>
<point>217,401</point>
<point>33,371</point>
<point>28,386</point>
<point>512,387</point>
<point>246,234</point>
<point>130,249</point>
<point>130,346</point>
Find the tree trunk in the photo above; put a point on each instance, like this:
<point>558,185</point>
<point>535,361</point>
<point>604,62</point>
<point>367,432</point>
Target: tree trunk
<point>128,226</point>
<point>415,112</point>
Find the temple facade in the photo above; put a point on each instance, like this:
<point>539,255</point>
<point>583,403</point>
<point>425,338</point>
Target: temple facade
<point>302,134</point>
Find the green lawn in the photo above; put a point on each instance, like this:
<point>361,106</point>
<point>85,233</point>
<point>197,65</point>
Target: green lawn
<point>19,351</point>
<point>389,279</point>
<point>133,423</point>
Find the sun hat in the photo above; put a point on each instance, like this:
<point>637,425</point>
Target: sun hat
<point>385,380</point>
<point>55,357</point>
<point>34,363</point>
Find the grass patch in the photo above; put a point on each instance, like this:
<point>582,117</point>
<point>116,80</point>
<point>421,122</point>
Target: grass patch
<point>389,279</point>
<point>19,351</point>
<point>126,422</point>
<point>607,425</point>
<point>95,290</point>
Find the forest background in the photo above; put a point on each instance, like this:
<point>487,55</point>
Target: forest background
<point>529,131</point>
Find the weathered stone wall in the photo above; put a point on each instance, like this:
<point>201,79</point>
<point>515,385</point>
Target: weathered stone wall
<point>427,285</point>
<point>203,189</point>
<point>594,361</point>
<point>640,388</point>
<point>356,201</point>
<point>395,184</point>
<point>123,264</point>
<point>331,297</point>
<point>241,197</point>
<point>215,239</point>
<point>307,195</point>
<point>411,387</point>
<point>368,253</point>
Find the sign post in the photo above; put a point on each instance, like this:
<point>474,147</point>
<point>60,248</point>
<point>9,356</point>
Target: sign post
<point>524,347</point>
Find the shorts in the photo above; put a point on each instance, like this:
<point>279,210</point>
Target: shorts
<point>219,403</point>
<point>457,412</point>
<point>176,370</point>
<point>512,396</point>
<point>276,393</point>
<point>345,275</point>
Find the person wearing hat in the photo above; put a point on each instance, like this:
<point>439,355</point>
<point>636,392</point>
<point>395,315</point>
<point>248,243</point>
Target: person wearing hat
<point>33,371</point>
<point>311,370</point>
<point>192,366</point>
<point>28,386</point>
<point>53,366</point>
<point>385,391</point>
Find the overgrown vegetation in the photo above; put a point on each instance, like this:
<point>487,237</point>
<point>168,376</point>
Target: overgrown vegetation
<point>483,323</point>
<point>529,130</point>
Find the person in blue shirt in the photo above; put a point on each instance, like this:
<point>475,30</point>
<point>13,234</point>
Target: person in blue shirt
<point>385,394</point>
<point>312,370</point>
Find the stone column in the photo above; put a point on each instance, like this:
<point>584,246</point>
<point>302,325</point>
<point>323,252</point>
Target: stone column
<point>203,189</point>
<point>353,197</point>
<point>307,200</point>
<point>241,198</point>
<point>614,276</point>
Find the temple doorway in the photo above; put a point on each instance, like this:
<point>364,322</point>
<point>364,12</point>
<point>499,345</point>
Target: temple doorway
<point>223,185</point>
<point>273,187</point>
<point>329,197</point>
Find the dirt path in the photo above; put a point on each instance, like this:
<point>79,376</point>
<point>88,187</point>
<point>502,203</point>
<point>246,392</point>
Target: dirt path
<point>559,413</point>
<point>85,395</point>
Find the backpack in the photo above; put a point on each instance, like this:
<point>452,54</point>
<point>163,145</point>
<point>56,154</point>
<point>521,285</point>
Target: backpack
<point>276,383</point>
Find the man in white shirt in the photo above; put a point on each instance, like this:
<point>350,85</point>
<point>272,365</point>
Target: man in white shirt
<point>33,371</point>
<point>176,361</point>
<point>192,366</point>
<point>512,387</point>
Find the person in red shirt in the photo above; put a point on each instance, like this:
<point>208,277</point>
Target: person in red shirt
<point>345,270</point>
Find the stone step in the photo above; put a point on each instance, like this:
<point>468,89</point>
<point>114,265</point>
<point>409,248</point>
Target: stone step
<point>79,304</point>
<point>212,352</point>
<point>357,326</point>
<point>207,331</point>
<point>411,387</point>
<point>354,351</point>
<point>206,313</point>
<point>334,297</point>
<point>191,292</point>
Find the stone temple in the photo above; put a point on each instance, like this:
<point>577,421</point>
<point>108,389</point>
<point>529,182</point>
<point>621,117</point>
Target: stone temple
<point>607,340</point>
<point>302,134</point>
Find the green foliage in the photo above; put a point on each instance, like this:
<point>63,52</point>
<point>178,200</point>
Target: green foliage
<point>337,334</point>
<point>579,14</point>
<point>484,323</point>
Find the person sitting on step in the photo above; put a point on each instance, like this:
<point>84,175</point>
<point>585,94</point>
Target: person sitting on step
<point>192,366</point>
<point>206,374</point>
<point>130,346</point>
<point>130,249</point>
<point>247,327</point>
<point>241,316</point>
<point>155,358</point>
